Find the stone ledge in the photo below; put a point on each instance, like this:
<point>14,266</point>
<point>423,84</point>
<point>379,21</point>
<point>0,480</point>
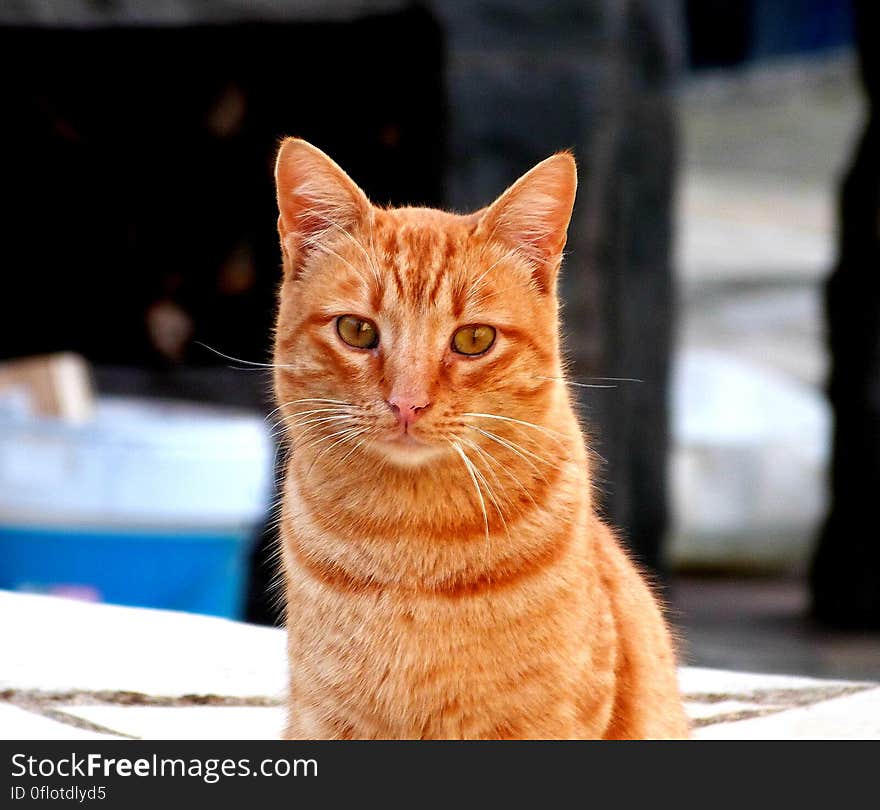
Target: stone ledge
<point>73,670</point>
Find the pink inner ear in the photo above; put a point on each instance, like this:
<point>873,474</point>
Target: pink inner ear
<point>316,199</point>
<point>533,214</point>
<point>538,222</point>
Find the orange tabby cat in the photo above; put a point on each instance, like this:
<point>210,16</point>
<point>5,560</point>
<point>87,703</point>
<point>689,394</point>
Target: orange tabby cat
<point>446,574</point>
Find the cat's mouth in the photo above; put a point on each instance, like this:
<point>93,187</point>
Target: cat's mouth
<point>406,439</point>
<point>406,448</point>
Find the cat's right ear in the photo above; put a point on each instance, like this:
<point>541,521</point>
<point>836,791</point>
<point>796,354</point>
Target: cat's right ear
<point>316,200</point>
<point>532,216</point>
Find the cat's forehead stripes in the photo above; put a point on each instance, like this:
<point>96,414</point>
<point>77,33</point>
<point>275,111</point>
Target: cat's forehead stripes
<point>419,260</point>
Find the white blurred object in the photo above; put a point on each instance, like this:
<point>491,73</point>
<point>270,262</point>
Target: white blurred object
<point>749,465</point>
<point>58,386</point>
<point>137,463</point>
<point>733,228</point>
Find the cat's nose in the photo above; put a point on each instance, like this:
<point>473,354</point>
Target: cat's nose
<point>408,408</point>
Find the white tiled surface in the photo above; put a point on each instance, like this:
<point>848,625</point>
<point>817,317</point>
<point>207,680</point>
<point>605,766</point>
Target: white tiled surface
<point>53,644</point>
<point>853,717</point>
<point>188,722</point>
<point>18,724</point>
<point>72,670</point>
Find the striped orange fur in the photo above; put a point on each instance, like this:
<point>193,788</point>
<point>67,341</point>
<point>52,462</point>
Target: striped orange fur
<point>445,572</point>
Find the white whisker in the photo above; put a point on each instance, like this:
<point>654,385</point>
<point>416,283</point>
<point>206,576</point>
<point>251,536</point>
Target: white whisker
<point>601,384</point>
<point>315,415</point>
<point>238,359</point>
<point>316,420</point>
<point>484,452</point>
<point>346,435</point>
<point>489,489</point>
<point>553,434</point>
<point>337,411</point>
<point>321,439</point>
<point>469,466</point>
<point>319,400</point>
<point>353,450</point>
<point>515,448</point>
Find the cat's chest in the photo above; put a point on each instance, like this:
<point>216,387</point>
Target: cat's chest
<point>359,621</point>
<point>402,665</point>
<point>378,636</point>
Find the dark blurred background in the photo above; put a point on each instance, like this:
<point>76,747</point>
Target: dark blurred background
<point>139,160</point>
<point>138,142</point>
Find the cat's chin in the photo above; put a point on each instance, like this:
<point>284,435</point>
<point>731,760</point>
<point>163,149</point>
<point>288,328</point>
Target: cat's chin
<point>407,451</point>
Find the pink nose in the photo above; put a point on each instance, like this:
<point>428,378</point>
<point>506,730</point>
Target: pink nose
<point>408,408</point>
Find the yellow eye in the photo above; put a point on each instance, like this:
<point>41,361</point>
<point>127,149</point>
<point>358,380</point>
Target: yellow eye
<point>474,339</point>
<point>357,332</point>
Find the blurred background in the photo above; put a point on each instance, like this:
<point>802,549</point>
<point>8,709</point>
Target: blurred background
<point>723,259</point>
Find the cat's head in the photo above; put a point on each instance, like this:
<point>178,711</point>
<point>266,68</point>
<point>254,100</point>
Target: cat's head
<point>410,333</point>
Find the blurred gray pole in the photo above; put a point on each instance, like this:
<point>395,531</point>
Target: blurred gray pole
<point>597,76</point>
<point>845,575</point>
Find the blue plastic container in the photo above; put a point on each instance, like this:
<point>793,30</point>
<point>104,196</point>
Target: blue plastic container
<point>196,572</point>
<point>149,504</point>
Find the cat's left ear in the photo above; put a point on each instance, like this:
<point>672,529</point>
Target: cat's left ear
<point>532,216</point>
<point>317,201</point>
